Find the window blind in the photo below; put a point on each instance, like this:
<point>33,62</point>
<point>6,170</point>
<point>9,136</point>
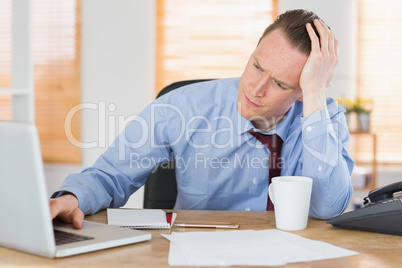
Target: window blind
<point>207,38</point>
<point>5,58</point>
<point>56,36</point>
<point>379,76</point>
<point>56,59</point>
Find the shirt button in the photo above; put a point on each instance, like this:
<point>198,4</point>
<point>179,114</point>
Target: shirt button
<point>254,181</point>
<point>319,168</point>
<point>309,128</point>
<point>247,209</point>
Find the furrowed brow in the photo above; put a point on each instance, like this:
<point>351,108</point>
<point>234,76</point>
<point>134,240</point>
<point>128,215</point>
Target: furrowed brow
<point>276,79</point>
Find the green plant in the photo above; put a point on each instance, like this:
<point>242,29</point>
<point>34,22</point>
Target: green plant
<point>358,106</point>
<point>362,106</point>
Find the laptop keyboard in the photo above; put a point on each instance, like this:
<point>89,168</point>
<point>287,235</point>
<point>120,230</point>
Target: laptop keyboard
<point>66,238</point>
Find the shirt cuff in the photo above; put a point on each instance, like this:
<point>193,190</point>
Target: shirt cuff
<point>61,193</point>
<point>319,139</point>
<point>316,125</point>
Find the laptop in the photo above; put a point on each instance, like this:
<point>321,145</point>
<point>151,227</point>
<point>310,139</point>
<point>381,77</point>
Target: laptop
<point>26,223</point>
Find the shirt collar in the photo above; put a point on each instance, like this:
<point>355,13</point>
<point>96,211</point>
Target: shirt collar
<point>282,129</point>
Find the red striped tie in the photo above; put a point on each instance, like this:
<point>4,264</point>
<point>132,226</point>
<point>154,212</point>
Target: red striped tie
<point>274,144</point>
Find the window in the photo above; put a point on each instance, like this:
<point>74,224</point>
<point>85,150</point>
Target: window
<point>5,59</point>
<point>199,39</point>
<point>379,76</point>
<point>56,58</point>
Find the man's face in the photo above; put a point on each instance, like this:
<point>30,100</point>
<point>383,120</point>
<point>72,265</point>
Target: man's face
<point>270,82</point>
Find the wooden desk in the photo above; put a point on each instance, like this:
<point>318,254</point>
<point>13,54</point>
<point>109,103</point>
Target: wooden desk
<point>376,250</point>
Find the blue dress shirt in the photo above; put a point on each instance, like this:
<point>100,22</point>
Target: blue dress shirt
<point>219,164</point>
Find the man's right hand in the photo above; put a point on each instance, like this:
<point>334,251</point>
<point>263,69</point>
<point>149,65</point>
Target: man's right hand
<point>66,208</point>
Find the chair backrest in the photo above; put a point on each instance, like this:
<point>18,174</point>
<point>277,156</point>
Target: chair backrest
<point>160,190</point>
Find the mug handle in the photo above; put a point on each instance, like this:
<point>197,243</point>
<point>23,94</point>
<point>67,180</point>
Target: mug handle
<point>270,193</point>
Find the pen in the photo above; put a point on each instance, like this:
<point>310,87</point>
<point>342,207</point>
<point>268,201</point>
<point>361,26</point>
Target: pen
<point>195,225</point>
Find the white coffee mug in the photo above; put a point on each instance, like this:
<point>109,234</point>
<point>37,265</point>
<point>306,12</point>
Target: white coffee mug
<point>291,198</point>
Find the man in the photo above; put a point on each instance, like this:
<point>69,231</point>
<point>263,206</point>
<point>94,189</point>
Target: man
<point>207,127</point>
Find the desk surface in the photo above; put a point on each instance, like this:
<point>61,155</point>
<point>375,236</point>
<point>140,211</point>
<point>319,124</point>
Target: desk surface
<point>376,250</point>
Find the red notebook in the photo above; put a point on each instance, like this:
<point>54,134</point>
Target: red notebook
<point>141,218</point>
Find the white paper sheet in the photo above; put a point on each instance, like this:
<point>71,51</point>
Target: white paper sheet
<point>247,247</point>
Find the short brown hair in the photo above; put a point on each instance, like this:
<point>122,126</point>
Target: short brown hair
<point>293,24</point>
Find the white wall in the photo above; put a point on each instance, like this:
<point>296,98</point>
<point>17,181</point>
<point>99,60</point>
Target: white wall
<point>117,65</point>
<point>342,17</point>
<point>117,69</point>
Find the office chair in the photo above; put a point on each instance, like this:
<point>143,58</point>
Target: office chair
<point>160,190</point>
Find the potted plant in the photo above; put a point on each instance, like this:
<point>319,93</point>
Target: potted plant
<point>362,108</point>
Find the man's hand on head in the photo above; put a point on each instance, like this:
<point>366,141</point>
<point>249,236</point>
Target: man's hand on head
<point>319,69</point>
<point>66,208</point>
